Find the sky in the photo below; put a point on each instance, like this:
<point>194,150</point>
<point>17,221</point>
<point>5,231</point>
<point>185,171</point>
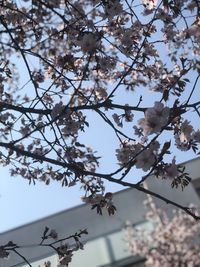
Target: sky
<point>21,203</point>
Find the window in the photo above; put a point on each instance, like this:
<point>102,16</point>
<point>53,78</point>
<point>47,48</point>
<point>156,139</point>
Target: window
<point>198,191</point>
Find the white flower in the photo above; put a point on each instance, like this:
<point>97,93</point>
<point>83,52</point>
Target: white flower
<point>57,110</point>
<point>114,8</point>
<point>145,160</point>
<point>64,261</point>
<point>107,63</point>
<point>71,127</point>
<point>154,147</point>
<point>128,114</point>
<point>53,234</point>
<point>127,152</point>
<point>89,42</point>
<point>194,31</point>
<point>116,118</point>
<point>183,146</point>
<point>186,131</point>
<point>149,4</point>
<point>95,199</point>
<point>183,138</point>
<point>150,50</point>
<point>24,130</point>
<point>172,170</point>
<point>137,131</point>
<point>101,93</point>
<point>149,126</point>
<point>155,118</point>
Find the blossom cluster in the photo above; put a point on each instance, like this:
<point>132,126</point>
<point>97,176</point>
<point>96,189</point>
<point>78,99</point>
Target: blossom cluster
<point>135,153</point>
<point>186,137</point>
<point>65,65</point>
<point>155,119</point>
<point>100,201</point>
<point>86,58</point>
<point>170,242</point>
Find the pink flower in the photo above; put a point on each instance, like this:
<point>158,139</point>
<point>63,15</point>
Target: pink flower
<point>145,160</point>
<point>172,170</point>
<point>155,118</point>
<point>149,4</point>
<point>57,110</point>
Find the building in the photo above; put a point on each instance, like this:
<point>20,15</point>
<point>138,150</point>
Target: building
<point>105,245</point>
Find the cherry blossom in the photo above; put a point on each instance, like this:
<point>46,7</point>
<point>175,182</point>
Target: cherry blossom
<point>149,4</point>
<point>155,118</point>
<point>170,241</point>
<point>145,160</point>
<point>172,169</point>
<point>57,110</point>
<point>132,66</point>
